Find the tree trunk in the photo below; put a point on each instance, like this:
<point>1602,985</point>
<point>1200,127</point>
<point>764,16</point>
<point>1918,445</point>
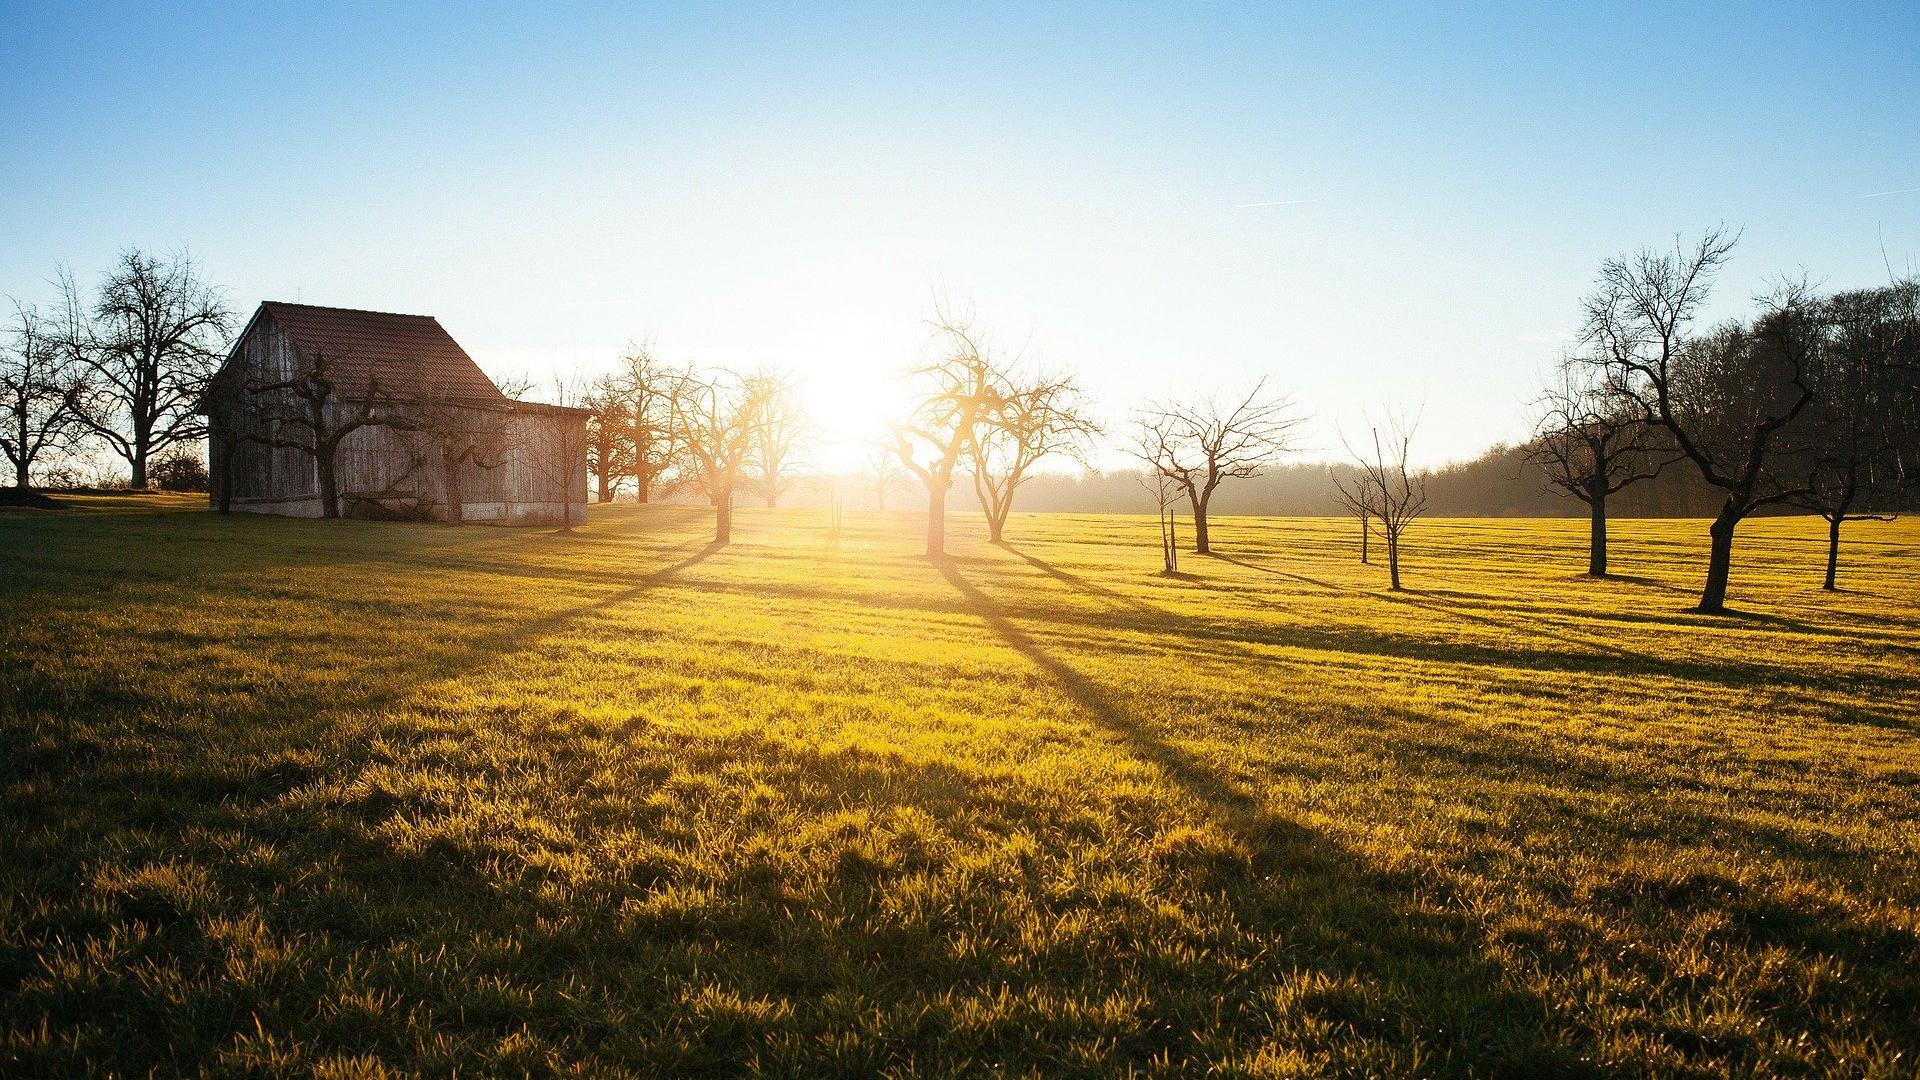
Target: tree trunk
<point>723,519</point>
<point>1200,544</point>
<point>601,489</point>
<point>456,508</point>
<point>936,520</point>
<point>329,488</point>
<point>1393,562</point>
<point>880,497</point>
<point>1597,535</point>
<point>1366,531</point>
<point>1713,598</point>
<point>20,470</point>
<point>643,484</point>
<point>1833,549</point>
<point>139,466</point>
<point>773,493</point>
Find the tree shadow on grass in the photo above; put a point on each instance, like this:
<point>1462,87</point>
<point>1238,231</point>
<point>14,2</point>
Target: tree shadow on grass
<point>1303,887</point>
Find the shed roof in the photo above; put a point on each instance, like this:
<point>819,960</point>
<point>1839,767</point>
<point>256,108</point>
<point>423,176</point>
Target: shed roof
<point>400,351</point>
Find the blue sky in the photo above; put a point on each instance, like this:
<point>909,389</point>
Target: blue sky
<point>765,185</point>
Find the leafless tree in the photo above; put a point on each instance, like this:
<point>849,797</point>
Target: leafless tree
<point>714,420</point>
<point>649,387</point>
<point>883,472</point>
<point>1044,416</point>
<point>1725,398</point>
<point>313,411</point>
<point>152,337</point>
<point>1166,495</point>
<point>960,390</point>
<point>1591,444</point>
<point>1855,432</point>
<point>1197,445</point>
<point>451,435</point>
<point>1387,490</point>
<point>41,391</point>
<point>554,446</point>
<point>610,450</point>
<point>780,430</point>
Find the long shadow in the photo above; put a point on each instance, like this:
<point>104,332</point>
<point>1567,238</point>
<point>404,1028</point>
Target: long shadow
<point>1088,695</point>
<point>1306,888</point>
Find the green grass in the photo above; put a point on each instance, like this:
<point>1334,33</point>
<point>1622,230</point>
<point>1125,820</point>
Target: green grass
<point>283,796</point>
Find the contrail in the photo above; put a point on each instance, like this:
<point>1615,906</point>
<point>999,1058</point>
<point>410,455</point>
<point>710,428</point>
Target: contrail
<point>1276,202</point>
<point>1895,191</point>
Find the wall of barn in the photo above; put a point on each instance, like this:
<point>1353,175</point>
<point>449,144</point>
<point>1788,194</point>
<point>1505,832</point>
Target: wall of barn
<point>386,472</point>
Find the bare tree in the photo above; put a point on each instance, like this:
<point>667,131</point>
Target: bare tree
<point>1387,490</point>
<point>152,336</point>
<point>41,391</point>
<point>1196,445</point>
<point>452,435</point>
<point>714,421</point>
<point>883,472</point>
<point>313,412</point>
<point>610,451</point>
<point>1166,494</point>
<point>1854,434</point>
<point>1725,398</point>
<point>649,387</point>
<point>1030,422</point>
<point>961,389</point>
<point>780,430</point>
<point>1591,444</point>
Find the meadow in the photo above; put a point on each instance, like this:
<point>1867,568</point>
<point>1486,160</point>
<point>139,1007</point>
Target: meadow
<point>347,799</point>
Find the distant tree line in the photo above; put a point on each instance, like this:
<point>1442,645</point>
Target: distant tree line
<point>1809,405</point>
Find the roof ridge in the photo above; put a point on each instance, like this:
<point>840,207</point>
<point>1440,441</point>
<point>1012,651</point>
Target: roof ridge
<point>349,310</point>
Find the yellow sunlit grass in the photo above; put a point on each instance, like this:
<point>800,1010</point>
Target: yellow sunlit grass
<point>295,796</point>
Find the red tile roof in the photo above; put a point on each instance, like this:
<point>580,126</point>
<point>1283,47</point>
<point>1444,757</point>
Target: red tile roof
<point>401,351</point>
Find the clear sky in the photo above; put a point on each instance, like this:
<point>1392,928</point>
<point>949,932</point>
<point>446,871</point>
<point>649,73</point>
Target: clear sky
<point>1375,209</point>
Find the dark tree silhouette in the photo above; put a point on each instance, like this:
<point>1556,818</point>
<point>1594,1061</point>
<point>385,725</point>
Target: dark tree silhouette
<point>1386,490</point>
<point>1197,445</point>
<point>152,337</point>
<point>1726,399</point>
<point>1592,444</point>
<point>714,418</point>
<point>41,392</point>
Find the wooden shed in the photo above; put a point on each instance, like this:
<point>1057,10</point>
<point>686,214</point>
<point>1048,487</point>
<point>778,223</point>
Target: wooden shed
<point>420,430</point>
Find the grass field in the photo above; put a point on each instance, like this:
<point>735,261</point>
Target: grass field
<point>284,796</point>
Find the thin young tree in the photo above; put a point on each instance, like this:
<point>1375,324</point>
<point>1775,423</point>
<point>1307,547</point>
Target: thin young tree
<point>1386,489</point>
<point>1166,495</point>
<point>1199,444</point>
<point>1726,399</point>
<point>959,390</point>
<point>41,391</point>
<point>714,419</point>
<point>1591,444</point>
<point>313,411</point>
<point>151,337</point>
<point>780,431</point>
<point>1032,421</point>
<point>1852,441</point>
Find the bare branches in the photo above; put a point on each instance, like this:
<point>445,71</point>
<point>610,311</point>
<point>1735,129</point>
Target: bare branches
<point>1032,421</point>
<point>781,428</point>
<point>960,390</point>
<point>41,393</point>
<point>1197,445</point>
<point>152,337</point>
<point>714,418</point>
<point>1386,490</point>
